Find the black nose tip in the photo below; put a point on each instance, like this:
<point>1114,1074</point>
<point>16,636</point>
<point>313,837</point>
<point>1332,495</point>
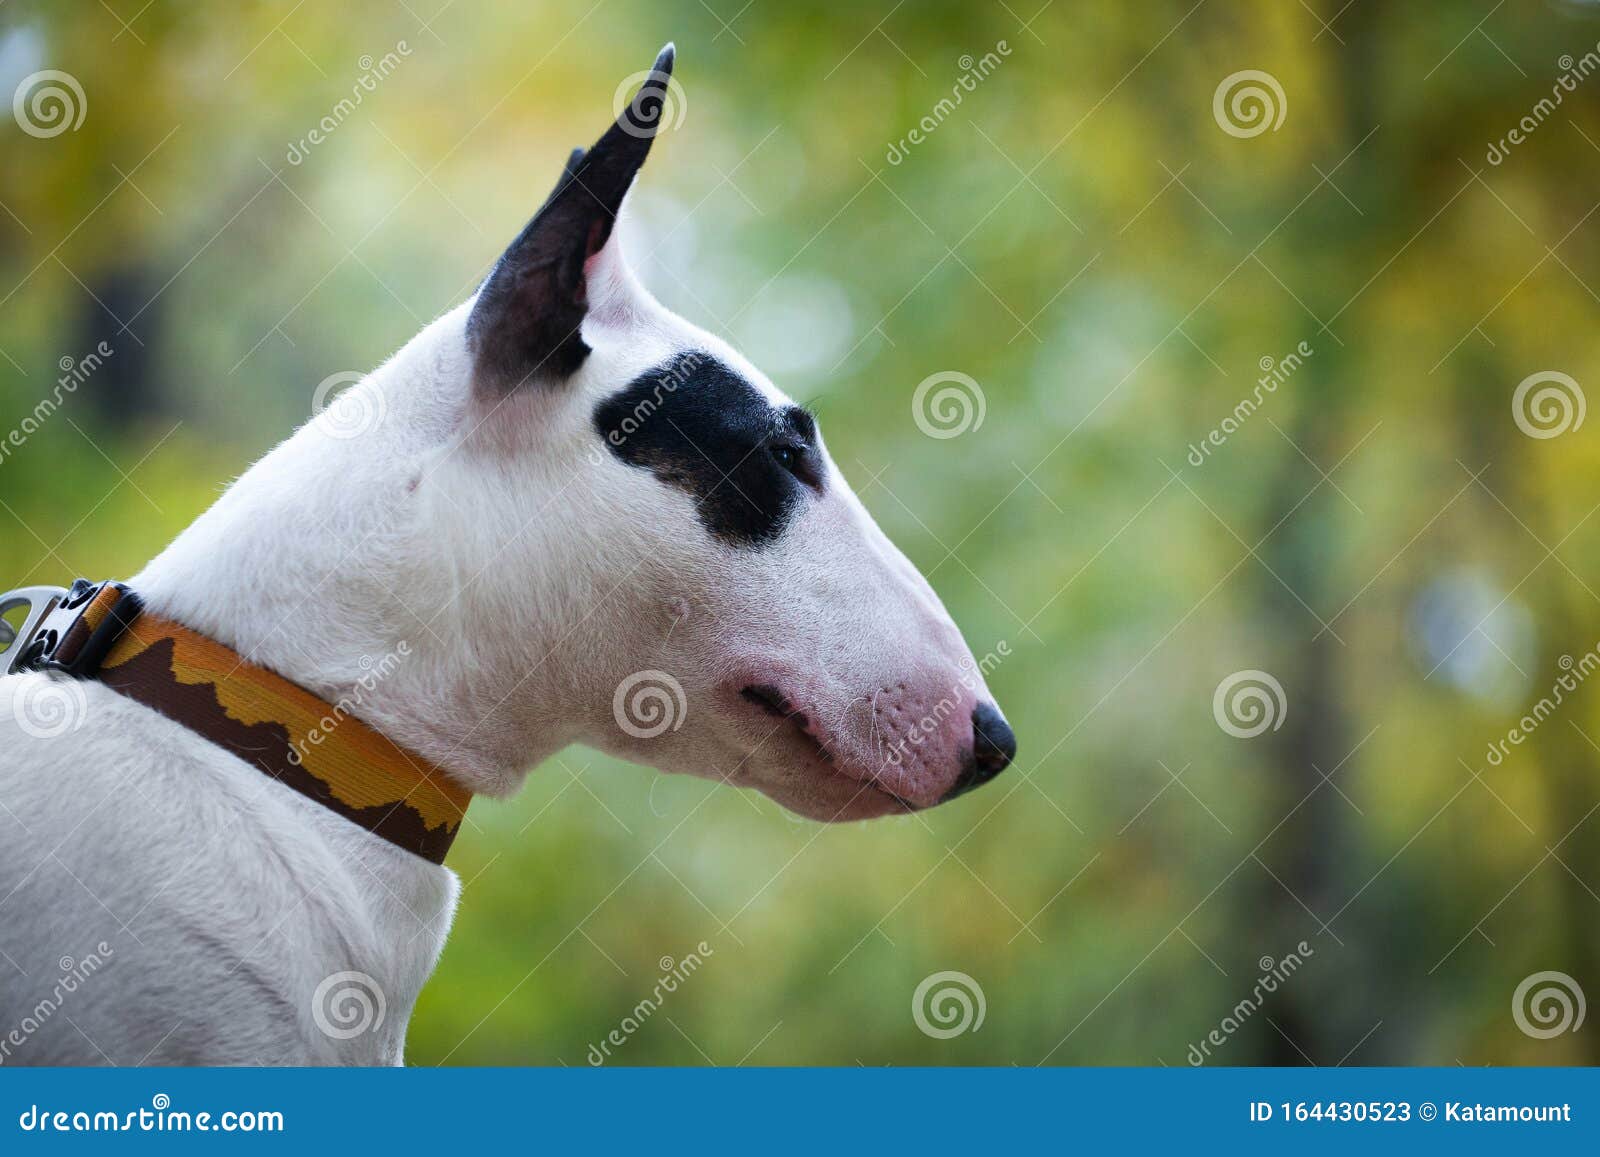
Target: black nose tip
<point>994,746</point>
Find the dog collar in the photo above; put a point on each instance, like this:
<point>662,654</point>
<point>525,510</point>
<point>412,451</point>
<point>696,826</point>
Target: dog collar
<point>101,631</point>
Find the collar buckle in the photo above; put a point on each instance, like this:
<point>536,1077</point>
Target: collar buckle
<point>65,630</point>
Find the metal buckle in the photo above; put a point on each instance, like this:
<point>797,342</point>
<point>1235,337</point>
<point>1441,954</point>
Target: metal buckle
<point>53,613</point>
<point>40,601</point>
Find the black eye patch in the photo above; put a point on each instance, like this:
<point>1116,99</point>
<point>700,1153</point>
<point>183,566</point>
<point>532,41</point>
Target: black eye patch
<point>702,428</point>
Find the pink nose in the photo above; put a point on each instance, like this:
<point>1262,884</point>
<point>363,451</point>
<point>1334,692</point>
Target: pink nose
<point>936,750</point>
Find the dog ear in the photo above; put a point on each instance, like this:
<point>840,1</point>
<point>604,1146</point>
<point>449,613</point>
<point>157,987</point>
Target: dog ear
<point>526,320</point>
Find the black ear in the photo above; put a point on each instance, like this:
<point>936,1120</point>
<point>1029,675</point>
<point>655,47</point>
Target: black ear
<point>525,323</point>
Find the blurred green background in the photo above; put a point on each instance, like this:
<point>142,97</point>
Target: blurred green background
<point>1082,237</point>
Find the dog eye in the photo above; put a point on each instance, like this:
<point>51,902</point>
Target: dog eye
<point>799,461</point>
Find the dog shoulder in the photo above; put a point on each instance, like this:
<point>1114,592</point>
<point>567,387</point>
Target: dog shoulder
<point>207,897</point>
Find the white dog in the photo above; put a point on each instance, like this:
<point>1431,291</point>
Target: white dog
<point>558,509</point>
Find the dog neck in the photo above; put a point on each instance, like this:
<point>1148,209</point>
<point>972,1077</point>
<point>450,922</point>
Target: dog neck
<point>339,552</point>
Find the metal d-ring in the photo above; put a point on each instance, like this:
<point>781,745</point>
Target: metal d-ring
<point>40,601</point>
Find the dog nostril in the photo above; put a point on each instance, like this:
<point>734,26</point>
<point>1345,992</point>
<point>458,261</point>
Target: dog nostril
<point>994,745</point>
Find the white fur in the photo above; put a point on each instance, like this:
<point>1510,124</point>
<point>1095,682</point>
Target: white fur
<point>529,572</point>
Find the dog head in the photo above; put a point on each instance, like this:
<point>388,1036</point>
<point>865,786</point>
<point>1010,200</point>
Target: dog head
<point>675,570</point>
<point>758,627</point>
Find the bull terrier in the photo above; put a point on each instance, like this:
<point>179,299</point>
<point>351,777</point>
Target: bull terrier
<point>560,514</point>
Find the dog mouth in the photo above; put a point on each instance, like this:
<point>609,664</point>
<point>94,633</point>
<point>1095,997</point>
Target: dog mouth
<point>772,702</point>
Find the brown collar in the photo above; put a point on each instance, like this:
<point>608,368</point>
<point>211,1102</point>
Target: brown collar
<point>319,749</point>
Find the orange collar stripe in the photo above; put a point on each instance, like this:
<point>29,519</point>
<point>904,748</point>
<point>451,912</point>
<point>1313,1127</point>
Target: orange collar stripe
<point>316,747</point>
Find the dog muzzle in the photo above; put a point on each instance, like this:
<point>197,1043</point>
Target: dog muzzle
<point>101,631</point>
